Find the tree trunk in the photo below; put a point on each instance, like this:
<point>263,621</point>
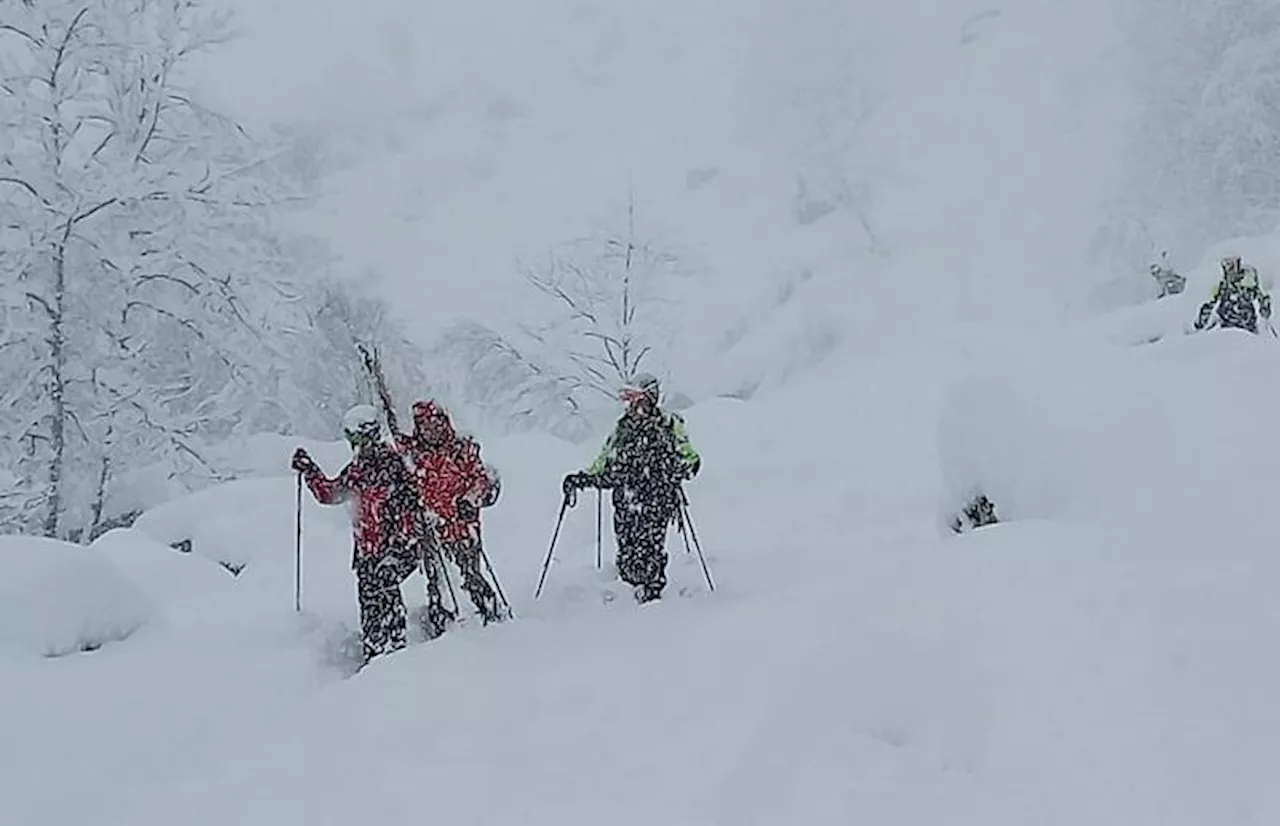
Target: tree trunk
<point>100,496</point>
<point>58,398</point>
<point>104,476</point>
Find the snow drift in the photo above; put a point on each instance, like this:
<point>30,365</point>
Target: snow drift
<point>1092,660</point>
<point>57,599</point>
<point>170,578</point>
<point>1132,437</point>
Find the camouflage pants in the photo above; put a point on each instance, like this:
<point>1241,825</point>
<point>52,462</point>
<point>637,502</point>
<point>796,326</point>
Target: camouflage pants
<point>465,554</point>
<point>641,534</point>
<point>382,611</point>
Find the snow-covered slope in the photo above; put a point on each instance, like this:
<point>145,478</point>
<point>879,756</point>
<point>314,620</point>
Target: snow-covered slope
<point>829,170</point>
<point>1102,658</point>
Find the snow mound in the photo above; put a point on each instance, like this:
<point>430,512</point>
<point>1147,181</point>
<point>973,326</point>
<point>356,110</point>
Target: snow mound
<point>1164,319</point>
<point>1031,673</point>
<point>168,576</point>
<point>232,523</point>
<point>57,598</point>
<point>248,527</point>
<point>997,441</point>
<point>1122,436</point>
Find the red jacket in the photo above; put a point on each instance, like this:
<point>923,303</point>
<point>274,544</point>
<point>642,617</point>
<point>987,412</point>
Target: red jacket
<point>446,474</point>
<point>385,512</point>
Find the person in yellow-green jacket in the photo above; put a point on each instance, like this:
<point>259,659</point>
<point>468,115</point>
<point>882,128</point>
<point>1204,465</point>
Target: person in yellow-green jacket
<point>1235,297</point>
<point>644,461</point>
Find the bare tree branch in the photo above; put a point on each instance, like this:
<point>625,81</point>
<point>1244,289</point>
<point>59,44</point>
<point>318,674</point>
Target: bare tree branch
<point>94,210</point>
<point>6,27</point>
<point>21,184</point>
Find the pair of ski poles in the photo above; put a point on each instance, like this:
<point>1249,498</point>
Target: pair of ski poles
<point>438,556</point>
<point>683,520</point>
<point>444,569</point>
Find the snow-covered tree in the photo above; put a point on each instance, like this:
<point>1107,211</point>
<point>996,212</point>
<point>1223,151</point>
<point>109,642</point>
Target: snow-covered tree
<point>605,298</point>
<point>483,371</point>
<point>602,313</point>
<point>1208,137</point>
<point>327,371</point>
<point>140,275</point>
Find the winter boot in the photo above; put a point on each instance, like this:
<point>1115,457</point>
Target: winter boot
<point>489,611</point>
<point>647,593</point>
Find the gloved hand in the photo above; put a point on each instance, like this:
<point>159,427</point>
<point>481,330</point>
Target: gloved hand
<point>467,512</point>
<point>302,462</point>
<point>573,483</point>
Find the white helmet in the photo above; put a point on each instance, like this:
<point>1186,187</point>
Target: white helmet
<point>361,425</point>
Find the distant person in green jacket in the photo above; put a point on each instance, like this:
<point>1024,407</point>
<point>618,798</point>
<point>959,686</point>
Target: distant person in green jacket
<point>644,461</point>
<point>1238,298</point>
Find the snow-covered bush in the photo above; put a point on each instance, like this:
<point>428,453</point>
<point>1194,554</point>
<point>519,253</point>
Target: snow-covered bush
<point>999,456</point>
<point>57,598</point>
<point>167,576</point>
<point>224,523</point>
<point>978,513</point>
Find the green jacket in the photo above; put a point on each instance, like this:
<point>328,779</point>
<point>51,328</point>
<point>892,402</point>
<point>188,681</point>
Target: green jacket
<point>1238,302</point>
<point>626,446</point>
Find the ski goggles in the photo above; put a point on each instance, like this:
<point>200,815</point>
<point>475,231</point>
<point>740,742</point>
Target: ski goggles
<point>357,439</point>
<point>632,395</point>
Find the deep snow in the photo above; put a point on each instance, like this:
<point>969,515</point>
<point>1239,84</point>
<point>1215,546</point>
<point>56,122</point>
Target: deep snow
<point>1105,657</point>
<point>56,598</point>
<point>1102,658</point>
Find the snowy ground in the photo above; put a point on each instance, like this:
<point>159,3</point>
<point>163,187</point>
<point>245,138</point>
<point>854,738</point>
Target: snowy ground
<point>1104,658</point>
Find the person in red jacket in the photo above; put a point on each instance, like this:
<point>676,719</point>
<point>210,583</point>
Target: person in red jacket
<point>454,484</point>
<point>387,525</point>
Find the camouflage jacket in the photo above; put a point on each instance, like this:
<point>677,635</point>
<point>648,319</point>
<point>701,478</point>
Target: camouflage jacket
<point>1237,302</point>
<point>647,456</point>
<point>386,514</point>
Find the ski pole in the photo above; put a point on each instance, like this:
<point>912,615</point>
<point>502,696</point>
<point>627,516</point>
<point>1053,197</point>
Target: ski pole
<point>297,548</point>
<point>432,562</point>
<point>599,512</point>
<point>680,524</point>
<point>688,521</point>
<point>684,534</point>
<point>564,506</point>
<point>448,580</point>
<point>497,586</point>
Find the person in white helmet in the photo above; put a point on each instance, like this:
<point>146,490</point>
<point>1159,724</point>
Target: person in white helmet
<point>1238,298</point>
<point>387,525</point>
<point>644,461</point>
<point>1168,281</point>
